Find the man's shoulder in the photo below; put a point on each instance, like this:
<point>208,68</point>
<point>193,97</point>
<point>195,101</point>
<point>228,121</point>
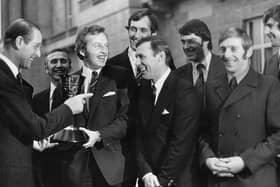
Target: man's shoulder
<point>119,59</point>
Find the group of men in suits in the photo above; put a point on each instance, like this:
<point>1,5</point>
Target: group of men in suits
<point>185,127</point>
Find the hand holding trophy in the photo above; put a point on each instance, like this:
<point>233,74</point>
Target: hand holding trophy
<point>71,86</point>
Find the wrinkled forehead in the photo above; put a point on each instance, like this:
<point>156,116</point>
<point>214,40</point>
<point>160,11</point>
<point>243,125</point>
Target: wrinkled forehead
<point>57,55</point>
<point>231,42</point>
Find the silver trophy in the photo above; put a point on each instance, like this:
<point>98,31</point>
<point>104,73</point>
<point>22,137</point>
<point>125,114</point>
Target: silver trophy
<point>71,85</point>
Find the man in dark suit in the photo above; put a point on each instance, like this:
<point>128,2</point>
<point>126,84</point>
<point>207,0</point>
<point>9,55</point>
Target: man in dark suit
<point>140,24</point>
<point>19,125</point>
<point>272,30</point>
<point>167,131</point>
<point>101,162</point>
<point>244,125</point>
<point>47,161</point>
<point>202,65</point>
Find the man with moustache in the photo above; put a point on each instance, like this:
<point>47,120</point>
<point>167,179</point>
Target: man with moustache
<point>19,125</point>
<point>272,30</point>
<point>140,24</point>
<point>100,162</point>
<point>47,162</point>
<point>242,143</point>
<point>167,130</point>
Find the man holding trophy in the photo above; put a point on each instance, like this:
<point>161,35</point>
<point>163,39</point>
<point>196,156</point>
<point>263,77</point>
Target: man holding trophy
<point>104,121</point>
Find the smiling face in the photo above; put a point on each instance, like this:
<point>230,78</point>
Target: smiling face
<point>30,51</point>
<point>271,29</point>
<point>96,50</point>
<point>138,30</point>
<point>193,47</point>
<point>234,56</point>
<point>57,65</point>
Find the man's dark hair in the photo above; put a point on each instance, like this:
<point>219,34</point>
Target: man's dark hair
<point>142,13</point>
<point>199,28</point>
<point>158,45</point>
<point>274,13</point>
<point>19,27</point>
<point>80,43</point>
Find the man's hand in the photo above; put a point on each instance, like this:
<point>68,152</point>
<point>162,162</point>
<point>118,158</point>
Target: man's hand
<point>76,103</point>
<point>43,144</point>
<point>150,180</point>
<point>94,136</point>
<point>234,164</point>
<point>218,167</point>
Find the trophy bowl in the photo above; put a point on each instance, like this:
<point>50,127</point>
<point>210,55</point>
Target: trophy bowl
<point>71,85</point>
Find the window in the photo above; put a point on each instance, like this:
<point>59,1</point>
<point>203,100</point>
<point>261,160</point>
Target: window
<point>261,44</point>
<point>84,4</point>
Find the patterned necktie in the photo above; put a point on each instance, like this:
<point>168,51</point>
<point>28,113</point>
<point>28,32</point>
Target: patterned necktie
<point>93,81</point>
<point>200,84</point>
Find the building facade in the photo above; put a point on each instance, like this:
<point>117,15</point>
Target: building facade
<point>60,20</point>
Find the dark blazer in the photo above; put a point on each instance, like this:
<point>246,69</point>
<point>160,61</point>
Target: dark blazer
<point>167,133</point>
<point>108,115</point>
<point>245,122</point>
<point>272,66</point>
<point>216,68</point>
<point>19,126</point>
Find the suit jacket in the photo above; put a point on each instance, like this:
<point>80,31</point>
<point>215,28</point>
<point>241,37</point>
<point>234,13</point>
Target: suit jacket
<point>108,115</point>
<point>244,123</point>
<point>167,133</point>
<point>19,126</point>
<point>272,66</point>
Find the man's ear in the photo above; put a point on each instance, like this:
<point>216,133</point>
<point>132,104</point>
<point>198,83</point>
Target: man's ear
<point>249,52</point>
<point>19,41</point>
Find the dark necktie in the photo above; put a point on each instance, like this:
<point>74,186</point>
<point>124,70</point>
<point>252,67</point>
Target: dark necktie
<point>200,84</point>
<point>57,98</point>
<point>154,91</point>
<point>19,78</point>
<point>232,84</point>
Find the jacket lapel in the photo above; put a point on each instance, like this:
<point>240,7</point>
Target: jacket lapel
<point>243,89</point>
<point>98,93</point>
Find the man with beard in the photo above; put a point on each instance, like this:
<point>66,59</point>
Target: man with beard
<point>272,30</point>
<point>140,24</point>
<point>48,163</point>
<point>243,106</point>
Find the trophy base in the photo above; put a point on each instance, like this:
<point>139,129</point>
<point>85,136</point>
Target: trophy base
<point>70,136</point>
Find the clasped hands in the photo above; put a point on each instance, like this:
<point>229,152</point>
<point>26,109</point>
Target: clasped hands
<point>225,167</point>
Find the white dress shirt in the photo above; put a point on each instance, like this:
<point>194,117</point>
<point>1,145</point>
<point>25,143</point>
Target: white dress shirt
<point>206,63</point>
<point>87,73</point>
<point>159,83</point>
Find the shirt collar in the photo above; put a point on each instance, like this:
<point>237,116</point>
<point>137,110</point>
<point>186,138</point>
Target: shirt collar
<point>86,72</point>
<point>159,83</point>
<point>239,77</point>
<point>52,88</point>
<point>10,64</point>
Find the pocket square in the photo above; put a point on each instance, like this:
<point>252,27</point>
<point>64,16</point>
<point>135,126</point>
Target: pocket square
<point>110,93</point>
<point>165,112</point>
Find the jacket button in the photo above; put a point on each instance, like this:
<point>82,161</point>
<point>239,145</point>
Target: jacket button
<point>221,134</point>
<point>238,116</point>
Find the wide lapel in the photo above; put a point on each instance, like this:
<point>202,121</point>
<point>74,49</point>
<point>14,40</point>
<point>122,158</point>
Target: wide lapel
<point>163,97</point>
<point>98,93</point>
<point>216,68</point>
<point>243,89</point>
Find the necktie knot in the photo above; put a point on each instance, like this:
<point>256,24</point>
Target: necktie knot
<point>200,67</point>
<point>232,83</point>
